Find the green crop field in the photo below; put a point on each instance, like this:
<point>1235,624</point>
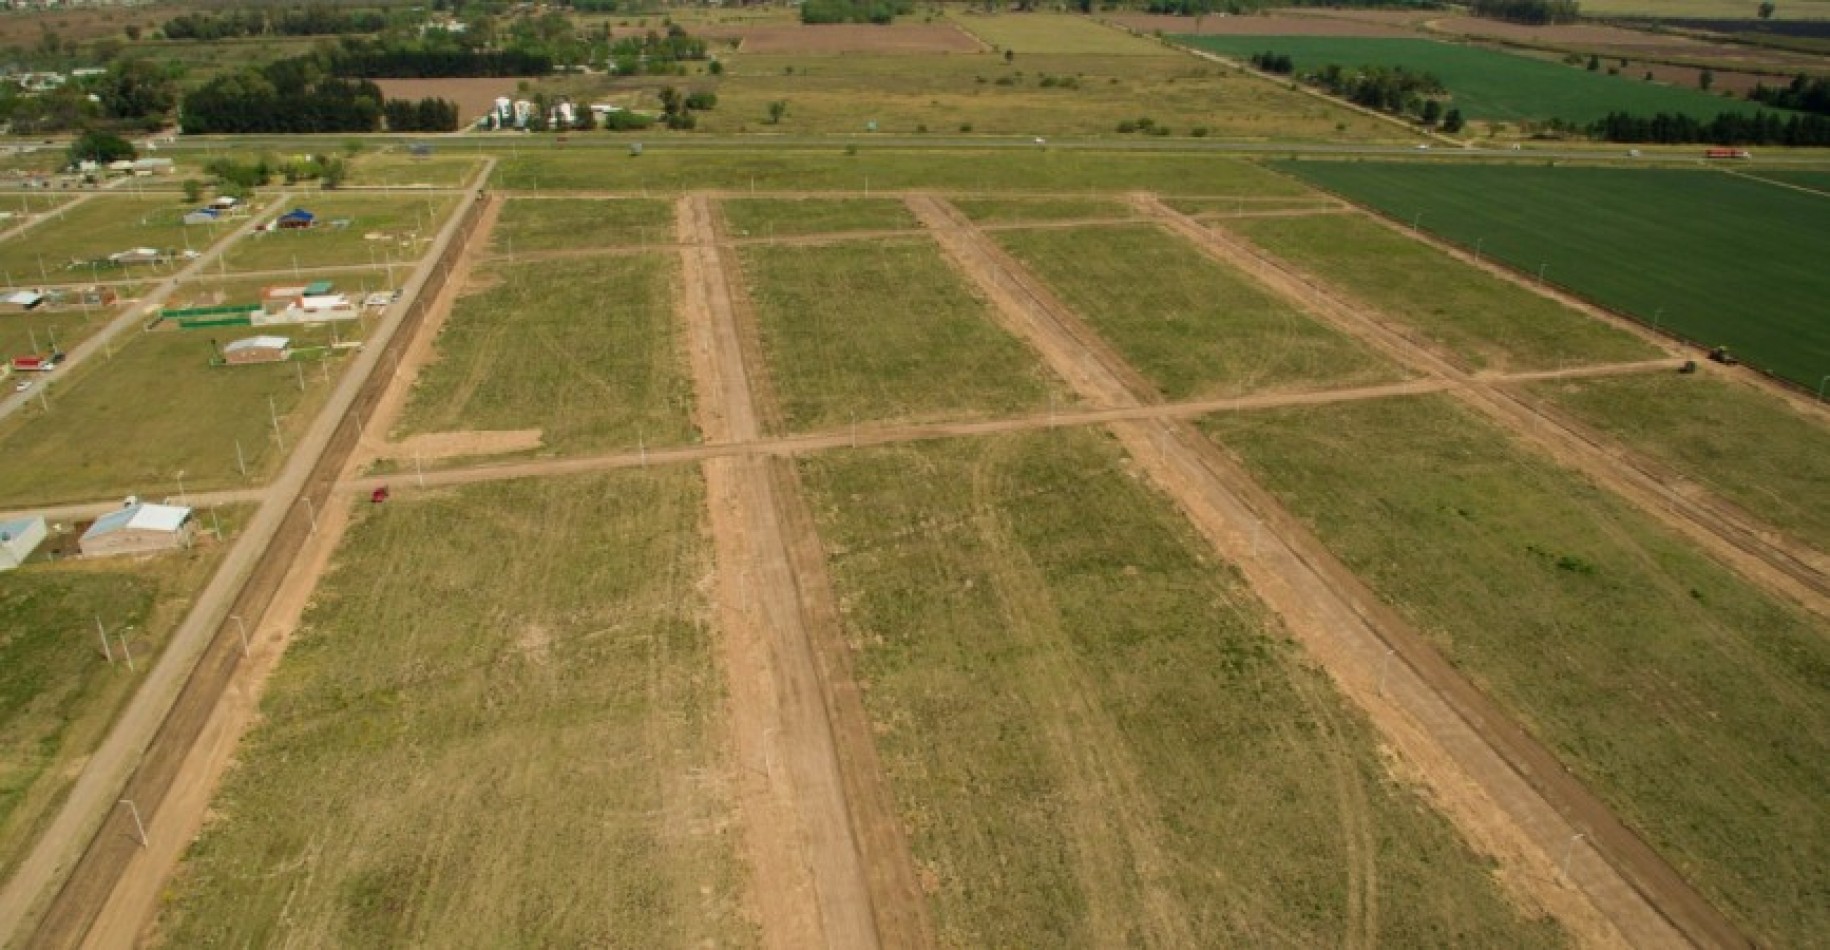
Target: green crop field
<point>1691,702</point>
<point>1017,170</point>
<point>380,228</point>
<point>60,250</point>
<point>1191,325</point>
<point>1097,736</point>
<point>1749,446</point>
<point>1816,181</point>
<point>769,217</point>
<point>1028,210</point>
<point>107,435</point>
<point>498,724</point>
<point>883,330</point>
<point>544,224</point>
<point>586,351</point>
<point>1671,247</point>
<point>1484,83</point>
<point>1486,321</point>
<point>58,692</point>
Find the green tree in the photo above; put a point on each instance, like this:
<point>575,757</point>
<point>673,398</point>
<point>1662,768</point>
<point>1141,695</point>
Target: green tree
<point>1767,10</point>
<point>777,109</point>
<point>1432,111</point>
<point>136,89</point>
<point>193,190</point>
<point>103,147</point>
<point>1452,121</point>
<point>334,173</point>
<point>1706,79</point>
<point>133,32</point>
<point>1594,63</point>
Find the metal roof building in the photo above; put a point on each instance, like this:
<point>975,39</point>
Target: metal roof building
<point>18,539</point>
<point>257,349</point>
<point>138,528</point>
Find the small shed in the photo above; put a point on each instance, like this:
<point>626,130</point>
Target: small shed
<point>297,219</point>
<point>226,202</point>
<point>153,166</point>
<point>203,216</point>
<point>22,299</point>
<point>18,539</point>
<point>258,349</point>
<point>138,255</point>
<point>138,528</point>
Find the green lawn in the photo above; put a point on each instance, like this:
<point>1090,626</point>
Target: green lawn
<point>1487,322</point>
<point>394,167</point>
<point>544,224</point>
<point>1484,83</point>
<point>1693,703</point>
<point>60,250</point>
<point>769,217</point>
<point>380,228</point>
<point>1751,447</point>
<point>1098,737</point>
<point>1027,210</point>
<point>1817,181</point>
<point>883,330</point>
<point>1192,326</point>
<point>1749,275</point>
<point>584,350</point>
<point>63,329</point>
<point>499,724</point>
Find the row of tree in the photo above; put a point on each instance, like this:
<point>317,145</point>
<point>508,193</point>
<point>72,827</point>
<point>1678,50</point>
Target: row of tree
<point>1804,95</point>
<point>1394,89</point>
<point>655,53</point>
<point>1535,12</point>
<point>1729,128</point>
<point>1234,7</point>
<point>423,59</point>
<point>854,11</point>
<point>1277,63</point>
<point>430,114</point>
<point>292,95</point>
<point>269,21</point>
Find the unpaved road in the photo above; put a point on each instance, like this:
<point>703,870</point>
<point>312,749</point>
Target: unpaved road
<point>1462,746</point>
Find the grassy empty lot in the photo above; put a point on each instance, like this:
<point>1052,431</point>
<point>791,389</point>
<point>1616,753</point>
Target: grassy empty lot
<point>768,217</point>
<point>104,225</point>
<point>25,205</point>
<point>403,229</point>
<point>1749,446</point>
<point>1487,322</point>
<point>130,424</point>
<point>584,350</point>
<point>1245,205</point>
<point>1194,327</point>
<point>544,224</point>
<point>1097,736</point>
<point>60,328</point>
<point>1690,701</point>
<point>883,330</point>
<point>58,694</point>
<point>1019,170</point>
<point>530,753</point>
<point>1486,83</point>
<point>1028,34</point>
<point>1629,239</point>
<point>395,167</point>
<point>1025,210</point>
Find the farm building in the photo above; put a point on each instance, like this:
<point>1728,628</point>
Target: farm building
<point>277,299</point>
<point>138,528</point>
<point>18,539</point>
<point>152,166</point>
<point>138,255</point>
<point>258,349</point>
<point>295,220</point>
<point>203,216</point>
<point>22,299</point>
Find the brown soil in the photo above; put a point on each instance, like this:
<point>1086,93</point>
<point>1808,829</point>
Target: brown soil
<point>444,445</point>
<point>474,97</point>
<point>1272,25</point>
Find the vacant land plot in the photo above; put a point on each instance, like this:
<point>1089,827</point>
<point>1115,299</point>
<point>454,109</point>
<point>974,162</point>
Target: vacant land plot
<point>131,423</point>
<point>584,350</point>
<point>398,168</point>
<point>1690,701</point>
<point>45,330</point>
<point>832,38</point>
<point>1484,83</point>
<point>1025,210</point>
<point>1266,25</point>
<point>1030,34</point>
<point>1485,321</point>
<point>1246,205</point>
<point>1194,327</point>
<point>544,224</point>
<point>1018,170</point>
<point>1108,742</point>
<point>24,206</point>
<point>532,753</point>
<point>474,96</point>
<point>58,692</point>
<point>378,228</point>
<point>1637,248</point>
<point>1751,447</point>
<point>883,330</point>
<point>61,250</point>
<point>769,217</point>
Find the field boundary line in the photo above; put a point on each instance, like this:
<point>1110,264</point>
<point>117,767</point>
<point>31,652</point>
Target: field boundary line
<point>1436,715</point>
<point>1762,557</point>
<point>141,757</point>
<point>30,223</point>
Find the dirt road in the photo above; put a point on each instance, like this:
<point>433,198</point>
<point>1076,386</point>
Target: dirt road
<point>1506,792</point>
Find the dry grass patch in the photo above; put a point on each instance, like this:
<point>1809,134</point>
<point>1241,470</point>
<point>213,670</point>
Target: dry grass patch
<point>544,224</point>
<point>771,217</point>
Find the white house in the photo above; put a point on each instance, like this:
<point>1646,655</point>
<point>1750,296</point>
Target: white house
<point>18,539</point>
<point>138,528</point>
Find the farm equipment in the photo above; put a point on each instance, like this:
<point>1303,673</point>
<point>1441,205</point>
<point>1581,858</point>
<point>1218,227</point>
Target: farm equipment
<point>1721,355</point>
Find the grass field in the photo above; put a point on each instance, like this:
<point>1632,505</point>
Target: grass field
<point>404,228</point>
<point>1691,702</point>
<point>1486,84</point>
<point>97,228</point>
<point>862,331</point>
<point>1792,9</point>
<point>394,167</point>
<point>584,350</point>
<point>1193,326</point>
<point>531,752</point>
<point>1028,34</point>
<point>129,424</point>
<point>60,329</point>
<point>58,694</point>
<point>1629,240</point>
<point>1097,737</point>
<point>544,224</point>
<point>1749,446</point>
<point>1816,181</point>
<point>1484,320</point>
<point>26,205</point>
<point>669,170</point>
<point>1024,210</point>
<point>1244,205</point>
<point>768,217</point>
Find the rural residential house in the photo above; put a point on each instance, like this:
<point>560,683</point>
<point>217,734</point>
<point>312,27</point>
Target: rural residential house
<point>257,349</point>
<point>138,528</point>
<point>18,539</point>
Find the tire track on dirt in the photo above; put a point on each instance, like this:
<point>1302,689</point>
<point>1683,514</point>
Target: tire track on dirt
<point>1507,793</point>
<point>829,859</point>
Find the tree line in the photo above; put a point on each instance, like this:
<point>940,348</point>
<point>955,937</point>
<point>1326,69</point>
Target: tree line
<point>1534,12</point>
<point>1803,95</point>
<point>1761,128</point>
<point>430,114</point>
<point>256,21</point>
<point>301,95</point>
<point>655,53</point>
<point>420,59</point>
<point>854,11</point>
